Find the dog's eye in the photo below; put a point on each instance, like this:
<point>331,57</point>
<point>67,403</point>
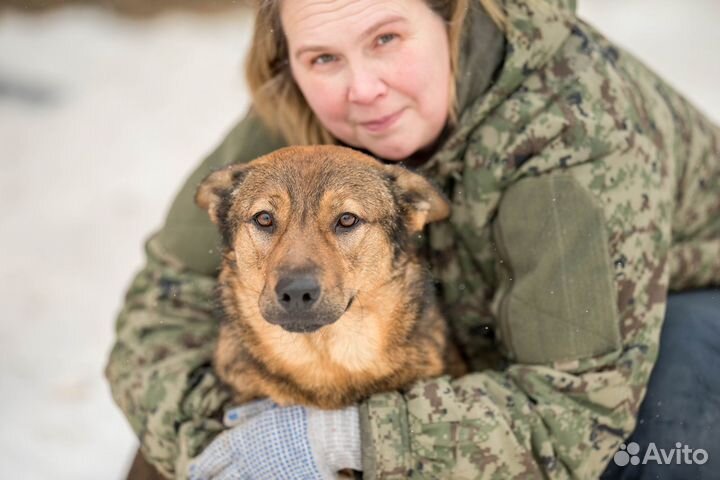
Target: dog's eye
<point>347,220</point>
<point>263,220</point>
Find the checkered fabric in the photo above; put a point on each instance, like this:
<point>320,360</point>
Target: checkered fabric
<point>267,441</point>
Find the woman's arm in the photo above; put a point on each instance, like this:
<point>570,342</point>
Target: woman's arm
<point>579,310</point>
<point>160,367</point>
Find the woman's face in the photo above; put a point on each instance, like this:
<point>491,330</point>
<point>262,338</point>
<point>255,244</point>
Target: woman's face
<point>375,72</point>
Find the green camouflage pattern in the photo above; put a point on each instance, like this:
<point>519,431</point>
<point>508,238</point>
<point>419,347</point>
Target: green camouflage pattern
<point>160,370</point>
<point>567,104</point>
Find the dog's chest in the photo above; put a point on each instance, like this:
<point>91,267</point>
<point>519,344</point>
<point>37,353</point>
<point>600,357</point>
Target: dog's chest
<point>342,349</point>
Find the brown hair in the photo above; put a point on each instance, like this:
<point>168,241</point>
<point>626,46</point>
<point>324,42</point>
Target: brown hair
<point>279,101</point>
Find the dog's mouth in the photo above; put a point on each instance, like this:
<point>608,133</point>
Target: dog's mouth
<point>303,327</point>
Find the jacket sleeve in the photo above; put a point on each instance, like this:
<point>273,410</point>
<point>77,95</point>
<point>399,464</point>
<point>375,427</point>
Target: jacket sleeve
<point>695,255</point>
<point>579,307</point>
<point>160,369</point>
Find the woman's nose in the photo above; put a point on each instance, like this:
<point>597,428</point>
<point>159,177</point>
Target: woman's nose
<point>365,86</point>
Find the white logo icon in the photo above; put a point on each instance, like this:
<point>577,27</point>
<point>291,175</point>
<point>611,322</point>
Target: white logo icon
<point>622,457</point>
<point>680,455</point>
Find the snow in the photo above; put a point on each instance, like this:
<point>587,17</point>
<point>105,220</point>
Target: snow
<point>679,40</point>
<point>100,120</point>
<point>101,117</point>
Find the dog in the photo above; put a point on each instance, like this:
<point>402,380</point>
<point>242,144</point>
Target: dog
<point>324,297</point>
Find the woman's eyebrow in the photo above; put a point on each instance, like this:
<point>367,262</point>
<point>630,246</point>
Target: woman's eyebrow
<point>381,23</point>
<point>366,33</point>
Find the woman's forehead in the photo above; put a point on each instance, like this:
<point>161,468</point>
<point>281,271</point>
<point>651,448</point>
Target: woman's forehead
<point>320,21</point>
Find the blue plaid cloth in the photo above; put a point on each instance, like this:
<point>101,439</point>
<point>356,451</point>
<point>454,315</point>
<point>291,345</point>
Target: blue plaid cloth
<point>269,442</point>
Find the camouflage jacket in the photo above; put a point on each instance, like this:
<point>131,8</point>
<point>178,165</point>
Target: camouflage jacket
<point>583,189</point>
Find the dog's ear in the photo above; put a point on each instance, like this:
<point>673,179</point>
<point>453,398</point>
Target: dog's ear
<point>426,203</point>
<point>216,185</point>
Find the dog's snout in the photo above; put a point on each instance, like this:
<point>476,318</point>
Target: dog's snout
<point>299,303</point>
<point>298,293</point>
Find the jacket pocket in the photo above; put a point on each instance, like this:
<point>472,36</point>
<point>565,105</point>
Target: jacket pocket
<point>558,299</point>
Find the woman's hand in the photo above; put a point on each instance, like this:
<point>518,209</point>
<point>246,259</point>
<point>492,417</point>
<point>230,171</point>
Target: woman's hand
<point>269,441</point>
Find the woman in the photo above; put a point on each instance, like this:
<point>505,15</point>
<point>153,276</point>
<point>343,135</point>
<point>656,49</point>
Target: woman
<point>583,189</point>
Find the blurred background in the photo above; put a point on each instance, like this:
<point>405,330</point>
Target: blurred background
<point>105,107</point>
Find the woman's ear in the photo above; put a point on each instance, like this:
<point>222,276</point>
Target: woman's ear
<point>215,186</point>
<point>426,203</point>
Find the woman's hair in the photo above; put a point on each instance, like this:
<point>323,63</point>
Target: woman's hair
<point>278,100</point>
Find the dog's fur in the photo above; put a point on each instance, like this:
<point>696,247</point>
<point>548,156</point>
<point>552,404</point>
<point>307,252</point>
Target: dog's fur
<point>364,318</point>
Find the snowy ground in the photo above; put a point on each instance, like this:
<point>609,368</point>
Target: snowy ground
<point>100,119</point>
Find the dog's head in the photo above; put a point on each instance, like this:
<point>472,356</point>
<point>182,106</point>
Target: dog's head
<point>306,229</point>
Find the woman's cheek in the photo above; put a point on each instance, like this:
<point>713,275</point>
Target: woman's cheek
<point>413,74</point>
<point>325,99</point>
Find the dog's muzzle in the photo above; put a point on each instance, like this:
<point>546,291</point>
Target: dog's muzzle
<point>300,309</point>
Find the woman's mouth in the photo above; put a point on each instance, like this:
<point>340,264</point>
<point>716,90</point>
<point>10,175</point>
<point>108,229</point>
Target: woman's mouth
<point>382,123</point>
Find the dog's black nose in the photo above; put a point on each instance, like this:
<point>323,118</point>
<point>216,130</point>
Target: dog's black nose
<point>297,293</point>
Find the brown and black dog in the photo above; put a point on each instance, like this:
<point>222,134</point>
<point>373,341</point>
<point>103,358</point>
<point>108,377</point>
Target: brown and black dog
<point>325,297</point>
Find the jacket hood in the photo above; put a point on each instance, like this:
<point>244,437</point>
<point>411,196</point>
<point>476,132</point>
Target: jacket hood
<point>534,31</point>
<point>482,52</point>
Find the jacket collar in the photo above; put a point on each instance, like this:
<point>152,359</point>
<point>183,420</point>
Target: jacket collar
<point>535,30</point>
<point>482,52</point>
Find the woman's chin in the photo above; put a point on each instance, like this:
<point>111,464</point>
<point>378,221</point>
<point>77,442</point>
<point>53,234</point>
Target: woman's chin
<point>394,148</point>
<point>391,151</point>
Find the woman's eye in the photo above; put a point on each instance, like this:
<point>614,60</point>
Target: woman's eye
<point>386,38</point>
<point>264,220</point>
<point>323,59</point>
<point>347,220</point>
